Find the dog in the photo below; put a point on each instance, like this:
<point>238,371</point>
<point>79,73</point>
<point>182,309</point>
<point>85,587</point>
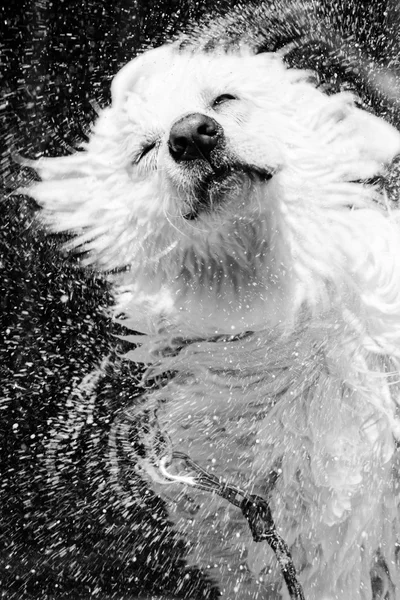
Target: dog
<point>237,209</point>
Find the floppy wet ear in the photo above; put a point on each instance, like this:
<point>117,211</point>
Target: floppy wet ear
<point>364,142</point>
<point>145,65</point>
<point>378,140</point>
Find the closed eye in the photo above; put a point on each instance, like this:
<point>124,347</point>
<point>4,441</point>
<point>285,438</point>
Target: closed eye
<point>222,99</point>
<point>146,149</point>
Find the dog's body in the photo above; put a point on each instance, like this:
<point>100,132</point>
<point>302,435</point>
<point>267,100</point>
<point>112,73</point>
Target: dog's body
<point>235,199</point>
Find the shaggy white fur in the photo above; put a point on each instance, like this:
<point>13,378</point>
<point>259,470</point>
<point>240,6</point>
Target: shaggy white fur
<point>266,276</point>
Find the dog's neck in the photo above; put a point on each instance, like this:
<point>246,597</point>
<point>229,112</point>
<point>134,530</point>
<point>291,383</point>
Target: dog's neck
<point>249,273</point>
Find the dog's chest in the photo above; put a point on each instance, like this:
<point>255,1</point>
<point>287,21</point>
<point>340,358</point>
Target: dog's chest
<point>224,393</point>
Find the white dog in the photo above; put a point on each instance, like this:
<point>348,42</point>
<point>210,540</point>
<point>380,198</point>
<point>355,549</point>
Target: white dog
<point>232,201</point>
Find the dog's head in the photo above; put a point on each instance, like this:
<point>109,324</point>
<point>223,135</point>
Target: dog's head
<point>216,177</point>
<point>193,116</point>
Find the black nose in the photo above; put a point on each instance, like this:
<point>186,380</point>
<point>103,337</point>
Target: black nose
<point>194,136</point>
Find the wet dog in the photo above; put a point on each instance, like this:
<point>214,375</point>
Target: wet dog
<point>235,206</point>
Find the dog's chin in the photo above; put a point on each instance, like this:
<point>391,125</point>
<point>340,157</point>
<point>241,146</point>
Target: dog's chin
<point>211,193</point>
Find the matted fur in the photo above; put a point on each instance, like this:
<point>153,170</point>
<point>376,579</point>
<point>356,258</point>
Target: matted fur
<point>277,307</point>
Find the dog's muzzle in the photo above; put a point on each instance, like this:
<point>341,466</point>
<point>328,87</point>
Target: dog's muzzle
<point>197,144</point>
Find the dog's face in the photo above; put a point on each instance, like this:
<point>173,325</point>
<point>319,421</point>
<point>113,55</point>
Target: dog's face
<point>211,176</point>
<point>196,132</point>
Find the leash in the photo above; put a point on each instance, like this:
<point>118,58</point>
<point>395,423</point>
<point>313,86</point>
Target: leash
<point>153,455</point>
<point>255,509</point>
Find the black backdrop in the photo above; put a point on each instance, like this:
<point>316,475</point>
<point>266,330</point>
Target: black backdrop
<point>68,535</point>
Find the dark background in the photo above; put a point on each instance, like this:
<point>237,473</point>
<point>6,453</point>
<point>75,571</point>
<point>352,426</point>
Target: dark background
<point>71,536</point>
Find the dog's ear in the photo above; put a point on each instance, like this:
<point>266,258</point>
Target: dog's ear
<point>363,142</point>
<point>143,66</point>
<point>379,142</point>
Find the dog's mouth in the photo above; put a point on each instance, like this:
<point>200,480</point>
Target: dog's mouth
<point>217,186</point>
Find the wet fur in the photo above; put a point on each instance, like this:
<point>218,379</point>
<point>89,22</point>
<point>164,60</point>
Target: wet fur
<point>276,307</point>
